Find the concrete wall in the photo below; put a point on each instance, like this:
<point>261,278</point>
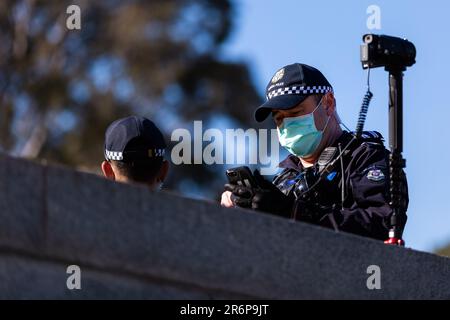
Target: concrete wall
<point>130,243</point>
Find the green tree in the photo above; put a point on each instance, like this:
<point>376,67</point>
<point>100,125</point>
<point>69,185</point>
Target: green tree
<point>60,88</point>
<point>443,251</point>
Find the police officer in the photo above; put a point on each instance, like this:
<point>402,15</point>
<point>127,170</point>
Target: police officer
<point>331,177</point>
<point>134,152</point>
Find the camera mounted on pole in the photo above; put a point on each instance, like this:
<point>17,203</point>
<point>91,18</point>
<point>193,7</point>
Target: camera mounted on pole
<point>395,55</point>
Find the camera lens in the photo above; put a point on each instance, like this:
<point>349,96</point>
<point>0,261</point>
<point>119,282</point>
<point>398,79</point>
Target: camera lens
<point>368,38</point>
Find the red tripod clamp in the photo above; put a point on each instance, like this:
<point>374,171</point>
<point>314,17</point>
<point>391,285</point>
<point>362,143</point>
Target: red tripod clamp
<point>394,239</point>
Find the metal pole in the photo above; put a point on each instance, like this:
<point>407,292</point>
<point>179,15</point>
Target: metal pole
<point>396,161</point>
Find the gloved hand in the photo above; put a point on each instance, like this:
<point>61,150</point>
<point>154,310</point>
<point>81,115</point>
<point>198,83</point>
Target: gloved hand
<point>266,197</point>
<point>241,196</point>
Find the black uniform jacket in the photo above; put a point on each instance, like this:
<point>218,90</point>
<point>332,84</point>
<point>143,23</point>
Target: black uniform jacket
<point>353,196</point>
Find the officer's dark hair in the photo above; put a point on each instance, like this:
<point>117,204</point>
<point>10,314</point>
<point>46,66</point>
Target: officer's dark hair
<point>142,171</point>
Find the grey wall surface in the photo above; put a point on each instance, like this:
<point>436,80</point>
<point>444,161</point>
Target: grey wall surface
<point>132,243</point>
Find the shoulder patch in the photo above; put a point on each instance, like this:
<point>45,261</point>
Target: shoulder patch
<point>375,175</point>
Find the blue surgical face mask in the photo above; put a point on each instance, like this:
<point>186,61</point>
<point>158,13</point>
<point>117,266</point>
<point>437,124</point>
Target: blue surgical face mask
<point>299,135</point>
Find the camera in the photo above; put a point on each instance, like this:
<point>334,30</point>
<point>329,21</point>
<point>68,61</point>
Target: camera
<point>394,54</point>
<point>386,51</point>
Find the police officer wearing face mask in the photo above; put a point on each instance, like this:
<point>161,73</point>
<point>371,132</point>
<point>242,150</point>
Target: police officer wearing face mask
<point>331,177</point>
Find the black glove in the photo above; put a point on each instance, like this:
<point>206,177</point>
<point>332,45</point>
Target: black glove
<point>241,196</point>
<point>266,197</point>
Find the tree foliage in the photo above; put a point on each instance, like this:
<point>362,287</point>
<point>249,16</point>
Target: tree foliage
<point>60,88</point>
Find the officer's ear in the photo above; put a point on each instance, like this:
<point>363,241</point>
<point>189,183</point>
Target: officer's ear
<point>162,174</point>
<point>108,171</point>
<point>329,102</point>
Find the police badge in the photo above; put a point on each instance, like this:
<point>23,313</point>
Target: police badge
<point>375,175</point>
<point>278,75</point>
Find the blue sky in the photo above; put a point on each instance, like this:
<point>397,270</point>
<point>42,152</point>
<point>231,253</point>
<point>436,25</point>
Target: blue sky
<point>327,35</point>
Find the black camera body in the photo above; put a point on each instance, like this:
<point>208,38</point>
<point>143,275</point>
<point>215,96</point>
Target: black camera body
<point>385,51</point>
